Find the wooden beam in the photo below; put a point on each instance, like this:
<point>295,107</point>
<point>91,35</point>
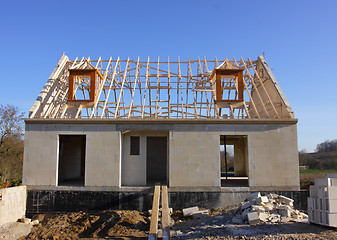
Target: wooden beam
<point>165,214</point>
<point>155,213</point>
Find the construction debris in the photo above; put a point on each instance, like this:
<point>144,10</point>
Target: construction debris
<point>268,209</point>
<point>195,212</point>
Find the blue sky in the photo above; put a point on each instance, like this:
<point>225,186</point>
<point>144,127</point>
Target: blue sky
<point>299,39</point>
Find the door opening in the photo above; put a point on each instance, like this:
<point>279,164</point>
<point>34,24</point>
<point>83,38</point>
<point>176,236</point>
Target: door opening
<point>71,160</point>
<point>156,160</point>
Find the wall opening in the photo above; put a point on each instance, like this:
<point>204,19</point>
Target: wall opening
<point>156,160</point>
<point>71,160</point>
<point>233,160</point>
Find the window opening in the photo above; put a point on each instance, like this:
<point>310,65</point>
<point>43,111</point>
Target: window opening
<point>134,145</point>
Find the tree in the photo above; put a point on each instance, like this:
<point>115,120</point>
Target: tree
<point>327,146</point>
<point>11,143</point>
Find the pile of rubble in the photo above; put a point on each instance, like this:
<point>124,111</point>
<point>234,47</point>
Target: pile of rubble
<point>268,209</point>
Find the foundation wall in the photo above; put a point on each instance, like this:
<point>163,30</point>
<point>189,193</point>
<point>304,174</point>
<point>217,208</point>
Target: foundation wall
<point>194,154</point>
<point>48,201</point>
<point>12,204</point>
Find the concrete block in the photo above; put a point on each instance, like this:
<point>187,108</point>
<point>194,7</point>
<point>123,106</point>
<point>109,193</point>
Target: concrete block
<point>321,191</point>
<point>331,205</point>
<point>286,200</point>
<point>253,218</point>
<point>263,216</point>
<point>311,216</point>
<point>333,182</point>
<point>268,206</point>
<point>331,175</point>
<point>310,203</point>
<point>332,192</point>
<point>316,216</point>
<point>189,211</point>
<point>261,199</point>
<point>321,182</point>
<point>258,208</point>
<point>284,219</point>
<point>332,219</point>
<point>253,196</point>
<point>274,218</point>
<point>284,212</point>
<point>273,196</point>
<point>313,191</point>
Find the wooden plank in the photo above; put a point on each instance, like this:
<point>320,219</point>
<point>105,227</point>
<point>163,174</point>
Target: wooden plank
<point>146,82</point>
<point>155,213</point>
<point>165,214</point>
<point>265,90</point>
<point>134,88</point>
<point>257,91</point>
<point>110,87</point>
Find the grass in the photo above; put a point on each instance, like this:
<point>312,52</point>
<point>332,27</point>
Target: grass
<point>318,171</point>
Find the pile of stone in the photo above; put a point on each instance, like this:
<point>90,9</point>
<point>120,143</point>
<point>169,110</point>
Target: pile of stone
<point>269,209</point>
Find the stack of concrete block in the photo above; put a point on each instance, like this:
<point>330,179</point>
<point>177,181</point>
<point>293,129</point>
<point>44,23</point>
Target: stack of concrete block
<point>195,212</point>
<point>272,208</point>
<point>322,203</point>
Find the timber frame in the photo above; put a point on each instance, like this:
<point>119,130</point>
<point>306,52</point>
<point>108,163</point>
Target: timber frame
<point>155,89</point>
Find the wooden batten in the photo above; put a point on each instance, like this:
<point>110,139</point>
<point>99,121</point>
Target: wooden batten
<point>178,89</point>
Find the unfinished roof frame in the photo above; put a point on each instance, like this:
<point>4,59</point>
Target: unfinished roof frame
<point>190,89</point>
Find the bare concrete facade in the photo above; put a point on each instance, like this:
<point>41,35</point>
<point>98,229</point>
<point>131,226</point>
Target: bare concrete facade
<point>193,157</point>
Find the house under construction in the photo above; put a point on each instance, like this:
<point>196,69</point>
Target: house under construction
<point>122,125</point>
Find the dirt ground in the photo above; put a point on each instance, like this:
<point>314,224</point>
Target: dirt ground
<point>99,225</point>
<point>135,225</point>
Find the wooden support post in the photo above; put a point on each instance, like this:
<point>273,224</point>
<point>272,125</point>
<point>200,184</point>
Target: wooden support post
<point>155,213</point>
<point>165,214</point>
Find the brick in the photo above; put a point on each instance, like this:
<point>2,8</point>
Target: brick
<point>286,200</point>
<point>284,212</point>
<point>263,216</point>
<point>258,208</point>
<point>189,211</point>
<point>253,218</point>
<point>261,199</point>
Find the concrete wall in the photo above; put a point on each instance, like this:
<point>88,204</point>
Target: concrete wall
<point>134,166</point>
<point>102,156</point>
<point>12,204</point>
<point>194,159</point>
<point>194,154</point>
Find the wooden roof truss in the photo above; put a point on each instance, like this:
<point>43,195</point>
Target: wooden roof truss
<point>162,89</point>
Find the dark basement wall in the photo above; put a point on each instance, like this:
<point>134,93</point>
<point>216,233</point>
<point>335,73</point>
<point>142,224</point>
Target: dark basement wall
<point>51,201</point>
